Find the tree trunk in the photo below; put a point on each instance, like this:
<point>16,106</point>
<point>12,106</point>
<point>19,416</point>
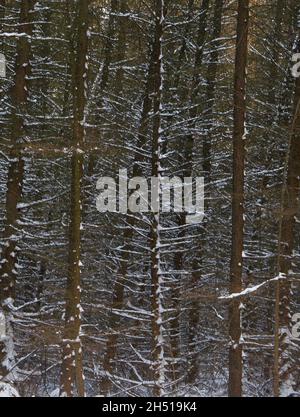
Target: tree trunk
<point>188,172</point>
<point>289,210</point>
<point>104,78</point>
<point>118,289</point>
<point>72,367</point>
<point>211,88</point>
<point>157,281</point>
<point>15,179</point>
<point>235,349</point>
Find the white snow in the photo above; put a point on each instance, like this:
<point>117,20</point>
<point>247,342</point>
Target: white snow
<point>6,390</point>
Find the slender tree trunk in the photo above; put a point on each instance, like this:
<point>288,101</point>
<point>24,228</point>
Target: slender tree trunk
<point>273,97</point>
<point>121,46</point>
<point>188,172</point>
<point>104,78</point>
<point>182,54</point>
<point>157,279</point>
<point>2,9</point>
<point>72,367</point>
<point>289,210</point>
<point>15,180</point>
<point>118,289</point>
<point>211,88</point>
<point>235,349</point>
<point>195,88</point>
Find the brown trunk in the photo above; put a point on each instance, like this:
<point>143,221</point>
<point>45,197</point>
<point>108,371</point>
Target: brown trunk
<point>235,349</point>
<point>188,172</point>
<point>2,9</point>
<point>121,46</point>
<point>211,87</point>
<point>289,210</point>
<point>195,87</point>
<point>72,367</point>
<point>118,290</point>
<point>158,355</point>
<point>104,79</point>
<point>182,54</point>
<point>16,169</point>
<point>276,39</point>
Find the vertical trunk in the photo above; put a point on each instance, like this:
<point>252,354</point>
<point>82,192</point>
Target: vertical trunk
<point>72,368</point>
<point>235,349</point>
<point>273,98</point>
<point>118,290</point>
<point>188,172</point>
<point>195,88</point>
<point>109,44</point>
<point>121,46</point>
<point>289,210</point>
<point>15,178</point>
<point>211,88</point>
<point>2,9</point>
<point>276,38</point>
<point>158,354</point>
<point>104,77</point>
<point>177,71</point>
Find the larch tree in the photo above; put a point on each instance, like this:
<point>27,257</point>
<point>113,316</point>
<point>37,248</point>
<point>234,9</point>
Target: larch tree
<point>72,362</point>
<point>283,356</point>
<point>18,135</point>
<point>156,101</point>
<point>157,274</point>
<point>239,136</point>
<point>123,265</point>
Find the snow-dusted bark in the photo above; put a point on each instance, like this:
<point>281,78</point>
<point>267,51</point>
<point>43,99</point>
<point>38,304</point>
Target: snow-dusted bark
<point>157,274</point>
<point>211,88</point>
<point>128,245</point>
<point>103,76</point>
<point>283,355</point>
<point>19,95</point>
<point>72,378</point>
<point>239,132</point>
<point>189,161</point>
<point>177,345</point>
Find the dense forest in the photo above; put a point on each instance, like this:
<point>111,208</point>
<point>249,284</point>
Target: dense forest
<point>146,303</point>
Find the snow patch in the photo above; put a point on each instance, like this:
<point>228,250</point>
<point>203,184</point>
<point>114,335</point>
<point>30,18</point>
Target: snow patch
<point>6,390</point>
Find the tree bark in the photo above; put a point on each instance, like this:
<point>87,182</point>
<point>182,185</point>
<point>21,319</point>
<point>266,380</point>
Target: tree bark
<point>118,289</point>
<point>211,88</point>
<point>72,367</point>
<point>19,94</point>
<point>157,281</point>
<point>289,210</point>
<point>188,172</point>
<point>104,79</point>
<point>235,349</point>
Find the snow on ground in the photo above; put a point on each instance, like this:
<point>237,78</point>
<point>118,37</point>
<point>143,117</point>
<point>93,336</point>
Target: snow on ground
<point>6,390</point>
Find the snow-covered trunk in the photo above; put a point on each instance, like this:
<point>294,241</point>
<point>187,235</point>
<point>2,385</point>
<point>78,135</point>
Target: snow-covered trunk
<point>194,111</point>
<point>19,94</point>
<point>118,289</point>
<point>157,277</point>
<point>289,208</point>
<point>274,98</point>
<point>236,264</point>
<point>208,115</point>
<point>72,367</point>
<point>211,89</point>
<point>105,69</point>
<point>2,17</point>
